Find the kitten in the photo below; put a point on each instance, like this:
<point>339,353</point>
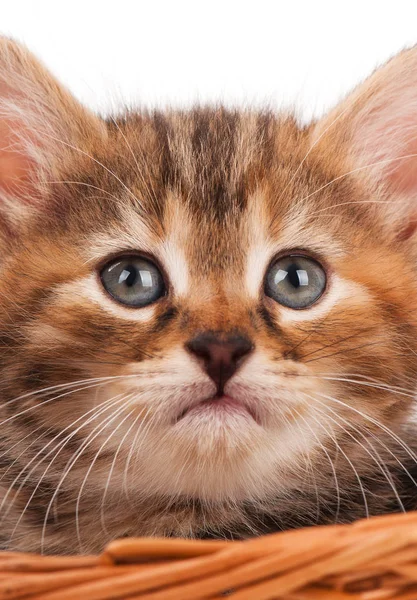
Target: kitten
<point>208,317</point>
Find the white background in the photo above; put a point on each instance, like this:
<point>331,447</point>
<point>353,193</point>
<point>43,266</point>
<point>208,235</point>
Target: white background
<point>305,54</point>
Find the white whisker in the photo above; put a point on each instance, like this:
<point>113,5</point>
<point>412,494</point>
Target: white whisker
<point>313,145</point>
<point>68,145</point>
<point>120,446</point>
<point>88,185</point>
<point>375,457</point>
<point>96,412</point>
<point>332,466</point>
<point>152,193</point>
<point>132,450</point>
<point>356,170</point>
<point>387,430</point>
<point>355,472</point>
<point>115,401</point>
<point>93,462</point>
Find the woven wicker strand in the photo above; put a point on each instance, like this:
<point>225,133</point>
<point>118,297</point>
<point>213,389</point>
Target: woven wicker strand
<point>375,559</point>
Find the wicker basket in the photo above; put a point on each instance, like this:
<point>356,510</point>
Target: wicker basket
<point>369,560</point>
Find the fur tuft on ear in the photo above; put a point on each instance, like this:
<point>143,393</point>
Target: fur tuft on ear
<point>40,124</point>
<point>376,128</point>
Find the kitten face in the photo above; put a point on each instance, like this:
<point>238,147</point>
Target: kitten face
<point>214,392</point>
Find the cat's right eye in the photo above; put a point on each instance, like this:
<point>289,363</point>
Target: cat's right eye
<point>295,281</point>
<point>133,280</point>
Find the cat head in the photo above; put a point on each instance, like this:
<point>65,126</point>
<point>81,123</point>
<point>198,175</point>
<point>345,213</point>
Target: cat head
<point>214,297</point>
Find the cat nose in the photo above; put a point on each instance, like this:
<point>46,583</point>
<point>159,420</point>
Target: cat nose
<point>221,357</point>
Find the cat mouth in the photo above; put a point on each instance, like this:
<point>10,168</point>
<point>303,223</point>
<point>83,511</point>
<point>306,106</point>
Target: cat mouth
<point>223,406</point>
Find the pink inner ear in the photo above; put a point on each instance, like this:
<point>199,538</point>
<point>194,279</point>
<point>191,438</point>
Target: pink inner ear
<point>403,180</point>
<point>401,141</point>
<point>404,177</point>
<point>386,140</point>
<point>15,168</point>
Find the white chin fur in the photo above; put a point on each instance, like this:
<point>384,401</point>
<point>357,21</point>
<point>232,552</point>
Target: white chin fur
<point>220,459</point>
<point>216,456</point>
<point>217,465</point>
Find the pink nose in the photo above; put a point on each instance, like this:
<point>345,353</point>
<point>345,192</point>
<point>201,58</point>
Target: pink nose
<point>220,357</point>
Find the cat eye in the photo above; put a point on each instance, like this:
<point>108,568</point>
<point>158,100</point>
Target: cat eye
<point>295,281</point>
<point>133,280</point>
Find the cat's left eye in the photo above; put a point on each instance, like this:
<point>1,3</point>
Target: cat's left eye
<point>295,281</point>
<point>133,280</point>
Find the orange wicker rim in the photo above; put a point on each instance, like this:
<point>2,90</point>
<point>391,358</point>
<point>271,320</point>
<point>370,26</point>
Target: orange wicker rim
<point>368,560</point>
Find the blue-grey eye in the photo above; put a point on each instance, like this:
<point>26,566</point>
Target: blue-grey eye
<point>295,281</point>
<point>133,280</point>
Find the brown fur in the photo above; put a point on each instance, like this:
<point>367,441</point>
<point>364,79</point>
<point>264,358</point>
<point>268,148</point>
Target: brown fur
<point>213,194</point>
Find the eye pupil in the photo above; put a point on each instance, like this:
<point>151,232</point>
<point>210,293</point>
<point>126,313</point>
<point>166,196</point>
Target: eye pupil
<point>293,276</point>
<point>128,276</point>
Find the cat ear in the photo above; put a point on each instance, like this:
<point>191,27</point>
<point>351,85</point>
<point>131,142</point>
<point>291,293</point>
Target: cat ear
<point>375,127</point>
<point>40,124</point>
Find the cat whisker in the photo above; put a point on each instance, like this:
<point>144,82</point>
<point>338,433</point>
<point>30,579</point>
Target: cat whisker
<point>375,422</point>
<point>112,466</point>
<point>89,185</point>
<point>362,375</point>
<point>53,399</point>
<point>51,389</point>
<point>84,153</point>
<point>346,457</point>
<point>361,202</point>
<point>111,404</point>
<point>351,172</point>
<point>303,340</point>
<point>385,446</point>
<point>308,462</point>
<point>24,451</point>
<point>313,145</point>
<point>332,465</point>
<point>101,382</point>
<point>339,341</point>
<point>345,351</point>
<point>70,384</point>
<point>395,389</point>
<point>94,460</point>
<point>360,379</point>
<point>151,193</point>
<point>134,448</point>
<point>375,456</point>
<point>94,412</point>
